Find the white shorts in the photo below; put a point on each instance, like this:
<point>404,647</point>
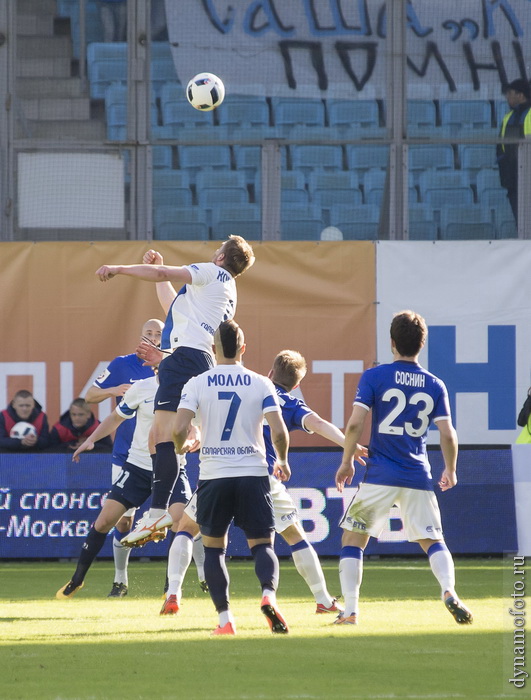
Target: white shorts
<point>115,475</point>
<point>285,511</point>
<point>369,509</point>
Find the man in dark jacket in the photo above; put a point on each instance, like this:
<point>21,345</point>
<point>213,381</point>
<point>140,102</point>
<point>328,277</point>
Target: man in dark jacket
<point>24,408</point>
<point>75,426</point>
<point>516,124</point>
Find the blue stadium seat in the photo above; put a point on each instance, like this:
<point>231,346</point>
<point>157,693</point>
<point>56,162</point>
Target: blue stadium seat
<point>332,179</point>
<point>420,212</point>
<point>357,116</point>
<point>116,111</point>
<point>435,179</point>
<point>169,179</point>
<point>458,115</point>
<point>242,220</point>
<point>211,197</point>
<point>448,197</point>
<point>162,156</point>
<point>362,158</point>
<point>176,196</point>
<point>292,112</point>
<point>471,231</point>
<point>243,113</point>
<point>248,159</point>
<point>464,222</point>
<point>474,157</point>
<point>174,223</point>
<point>327,198</point>
<point>294,196</point>
<point>301,222</point>
<point>102,73</point>
<point>422,231</point>
<point>498,204</point>
<point>323,156</point>
<point>488,179</point>
<point>421,118</point>
<point>356,223</point>
<point>220,178</point>
<point>292,179</point>
<point>507,229</point>
<point>430,156</point>
<point>184,116</point>
<point>376,195</point>
<point>195,158</point>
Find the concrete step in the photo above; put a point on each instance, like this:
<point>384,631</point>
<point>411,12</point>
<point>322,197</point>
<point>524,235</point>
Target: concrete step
<point>43,67</point>
<point>44,47</point>
<point>35,25</point>
<point>88,130</point>
<point>36,7</point>
<point>55,108</point>
<point>49,87</point>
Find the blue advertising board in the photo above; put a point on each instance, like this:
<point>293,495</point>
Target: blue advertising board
<point>47,505</point>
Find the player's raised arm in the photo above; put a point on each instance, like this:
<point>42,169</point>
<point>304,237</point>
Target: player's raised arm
<point>105,428</point>
<point>449,449</point>
<point>166,292</point>
<point>96,394</point>
<point>148,273</point>
<point>353,431</point>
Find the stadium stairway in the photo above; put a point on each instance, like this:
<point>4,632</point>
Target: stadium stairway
<point>51,102</point>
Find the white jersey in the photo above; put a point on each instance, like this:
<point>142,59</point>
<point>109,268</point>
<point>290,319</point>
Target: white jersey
<point>199,308</point>
<point>138,401</point>
<point>230,402</point>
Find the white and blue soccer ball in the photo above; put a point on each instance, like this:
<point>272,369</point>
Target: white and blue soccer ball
<point>205,92</point>
<point>22,429</point>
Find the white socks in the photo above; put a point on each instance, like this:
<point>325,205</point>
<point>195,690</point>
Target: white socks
<point>121,556</point>
<point>179,559</point>
<point>309,567</point>
<point>350,575</point>
<point>442,565</point>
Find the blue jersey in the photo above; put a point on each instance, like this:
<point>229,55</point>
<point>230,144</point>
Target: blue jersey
<point>405,399</point>
<point>125,369</point>
<point>294,412</point>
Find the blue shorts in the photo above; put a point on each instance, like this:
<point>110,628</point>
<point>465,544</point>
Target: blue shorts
<point>133,487</point>
<point>175,371</point>
<point>246,499</point>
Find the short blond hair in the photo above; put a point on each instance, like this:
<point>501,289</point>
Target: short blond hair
<point>289,369</point>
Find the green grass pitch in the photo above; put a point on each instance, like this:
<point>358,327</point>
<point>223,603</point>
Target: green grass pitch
<point>407,645</point>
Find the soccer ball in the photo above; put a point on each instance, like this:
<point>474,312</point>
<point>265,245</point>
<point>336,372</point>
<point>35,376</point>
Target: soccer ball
<point>205,92</point>
<point>22,429</point>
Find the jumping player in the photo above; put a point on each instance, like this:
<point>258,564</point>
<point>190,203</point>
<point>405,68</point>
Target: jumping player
<point>405,399</point>
<point>207,297</point>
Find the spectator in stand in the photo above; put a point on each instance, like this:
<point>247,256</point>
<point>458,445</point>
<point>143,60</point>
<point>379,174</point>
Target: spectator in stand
<point>113,14</point>
<point>24,408</point>
<point>75,426</point>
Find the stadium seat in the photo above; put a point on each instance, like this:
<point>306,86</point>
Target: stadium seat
<point>327,198</point>
<point>301,222</point>
<point>421,118</point>
<point>422,231</point>
<point>323,156</point>
<point>420,212</point>
<point>169,179</point>
<point>243,220</point>
<point>458,115</point>
<point>292,179</point>
<point>162,156</point>
<point>448,197</point>
<point>243,113</point>
<point>294,196</point>
<point>173,223</point>
<point>196,158</point>
<point>434,179</point>
<point>488,179</point>
<point>507,229</point>
<point>172,196</point>
<point>475,157</point>
<point>361,117</point>
<point>248,159</point>
<point>184,116</point>
<point>356,223</point>
<point>425,157</point>
<point>332,179</point>
<point>219,178</point>
<point>293,112</point>
<point>211,197</point>
<point>363,158</point>
<point>471,231</point>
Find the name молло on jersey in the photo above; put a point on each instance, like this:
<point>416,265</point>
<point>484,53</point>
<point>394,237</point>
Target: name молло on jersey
<point>410,378</point>
<point>230,451</point>
<point>228,379</point>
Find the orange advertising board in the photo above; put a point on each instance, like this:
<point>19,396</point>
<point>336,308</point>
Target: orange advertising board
<point>61,324</point>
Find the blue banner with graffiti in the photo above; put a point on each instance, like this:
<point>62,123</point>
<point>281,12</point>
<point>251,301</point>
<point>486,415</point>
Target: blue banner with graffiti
<point>47,505</point>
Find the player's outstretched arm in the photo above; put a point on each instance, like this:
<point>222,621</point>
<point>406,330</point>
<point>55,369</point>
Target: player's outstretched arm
<point>166,292</point>
<point>322,427</point>
<point>105,428</point>
<point>96,395</point>
<point>148,273</point>
<point>353,431</point>
<point>280,440</point>
<point>449,449</point>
